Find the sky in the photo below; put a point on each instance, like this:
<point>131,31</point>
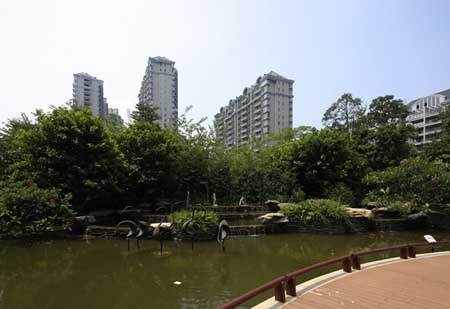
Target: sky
<point>368,48</point>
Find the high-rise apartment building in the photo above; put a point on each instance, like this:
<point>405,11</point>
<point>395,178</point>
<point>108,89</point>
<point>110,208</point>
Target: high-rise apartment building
<point>424,116</point>
<point>88,92</point>
<point>159,88</point>
<point>265,107</point>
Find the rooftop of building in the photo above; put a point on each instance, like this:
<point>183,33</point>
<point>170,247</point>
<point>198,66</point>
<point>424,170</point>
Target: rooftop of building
<point>445,93</point>
<point>273,74</point>
<point>161,59</point>
<point>86,75</point>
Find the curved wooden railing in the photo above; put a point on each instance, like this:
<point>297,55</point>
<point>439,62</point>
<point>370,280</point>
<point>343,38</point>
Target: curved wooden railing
<point>287,284</point>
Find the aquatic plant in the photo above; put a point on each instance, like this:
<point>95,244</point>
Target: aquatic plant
<point>202,220</point>
<point>321,211</point>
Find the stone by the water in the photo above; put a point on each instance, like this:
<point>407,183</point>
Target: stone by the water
<point>359,212</point>
<point>85,219</point>
<point>273,217</point>
<point>272,204</point>
<point>386,213</point>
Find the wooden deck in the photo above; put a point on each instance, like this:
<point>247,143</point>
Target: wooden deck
<point>423,282</point>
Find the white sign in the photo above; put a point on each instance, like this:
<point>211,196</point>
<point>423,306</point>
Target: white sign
<point>429,238</point>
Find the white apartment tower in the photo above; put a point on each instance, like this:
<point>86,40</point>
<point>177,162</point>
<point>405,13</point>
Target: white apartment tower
<point>424,116</point>
<point>88,92</point>
<point>265,107</point>
<point>159,88</point>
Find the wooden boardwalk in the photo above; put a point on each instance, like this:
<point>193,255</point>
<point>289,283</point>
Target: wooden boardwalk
<point>423,282</point>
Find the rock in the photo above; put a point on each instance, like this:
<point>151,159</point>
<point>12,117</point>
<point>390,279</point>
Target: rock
<point>273,205</point>
<point>384,212</point>
<point>85,219</point>
<point>273,217</point>
<point>359,212</point>
<point>418,216</point>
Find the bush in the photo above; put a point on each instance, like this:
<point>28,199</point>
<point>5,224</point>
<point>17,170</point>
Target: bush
<point>407,208</point>
<point>417,181</point>
<point>298,196</point>
<point>341,193</point>
<point>203,219</point>
<point>25,207</point>
<point>316,211</point>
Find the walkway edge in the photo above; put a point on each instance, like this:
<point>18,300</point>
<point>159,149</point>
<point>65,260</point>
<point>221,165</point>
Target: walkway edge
<point>309,285</point>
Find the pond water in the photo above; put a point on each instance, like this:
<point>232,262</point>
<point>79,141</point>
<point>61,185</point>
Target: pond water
<point>103,274</point>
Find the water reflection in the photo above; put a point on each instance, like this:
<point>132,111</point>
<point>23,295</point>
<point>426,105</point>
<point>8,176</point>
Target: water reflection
<point>102,274</point>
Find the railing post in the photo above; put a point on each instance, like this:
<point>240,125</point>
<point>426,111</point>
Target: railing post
<point>412,252</point>
<point>404,253</point>
<point>279,293</point>
<point>356,262</point>
<point>291,287</point>
<point>347,265</point>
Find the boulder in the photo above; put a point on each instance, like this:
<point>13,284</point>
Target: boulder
<point>418,216</point>
<point>359,212</point>
<point>273,217</point>
<point>386,213</point>
<point>272,204</point>
<point>80,224</point>
<point>85,219</point>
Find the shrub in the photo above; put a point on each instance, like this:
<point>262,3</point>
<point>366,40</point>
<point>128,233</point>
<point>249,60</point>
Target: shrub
<point>316,211</point>
<point>407,208</point>
<point>298,196</point>
<point>203,219</point>
<point>417,181</point>
<point>26,207</point>
<point>340,192</point>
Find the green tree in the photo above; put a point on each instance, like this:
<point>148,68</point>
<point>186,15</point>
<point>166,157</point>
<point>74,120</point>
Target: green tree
<point>415,180</point>
<point>385,110</point>
<point>385,141</point>
<point>344,114</point>
<point>151,155</point>
<point>322,159</point>
<point>387,145</point>
<point>193,168</point>
<point>9,149</point>
<point>144,112</point>
<point>114,123</point>
<point>72,151</point>
<point>439,149</point>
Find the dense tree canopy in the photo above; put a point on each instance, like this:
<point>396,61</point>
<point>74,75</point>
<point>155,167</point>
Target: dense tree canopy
<point>71,150</point>
<point>439,149</point>
<point>150,154</point>
<point>71,154</point>
<point>144,112</point>
<point>385,110</point>
<point>321,159</point>
<point>344,114</point>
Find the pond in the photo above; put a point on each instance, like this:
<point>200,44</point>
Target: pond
<point>103,274</point>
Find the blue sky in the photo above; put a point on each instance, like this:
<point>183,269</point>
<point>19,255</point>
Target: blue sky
<point>369,48</point>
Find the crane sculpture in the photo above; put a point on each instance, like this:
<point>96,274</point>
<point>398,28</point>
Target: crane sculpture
<point>222,234</point>
<point>134,230</point>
